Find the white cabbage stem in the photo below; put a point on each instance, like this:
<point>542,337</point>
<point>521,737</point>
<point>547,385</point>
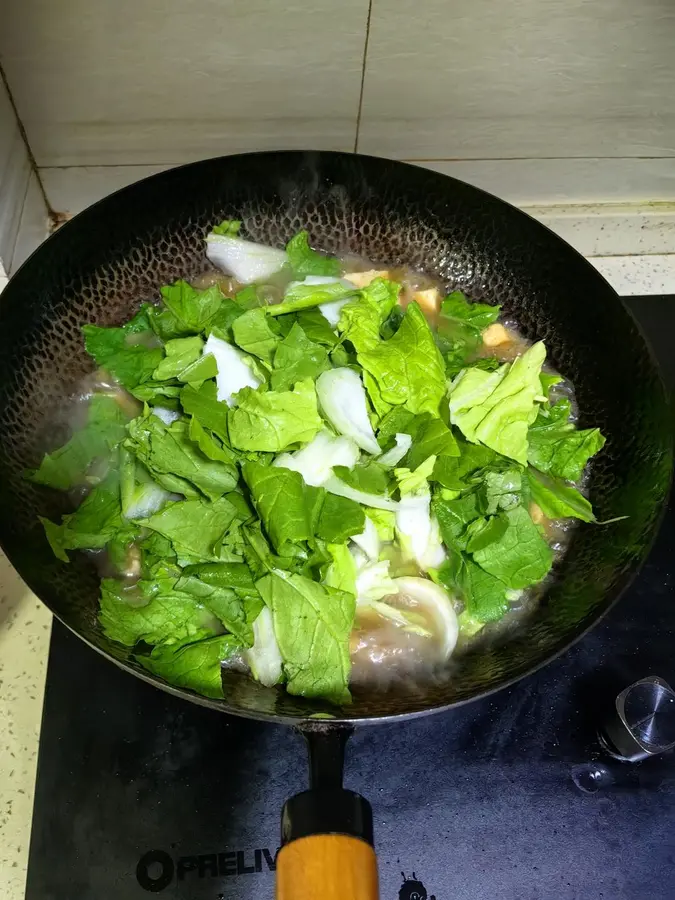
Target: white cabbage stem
<point>315,461</point>
<point>246,261</point>
<point>233,372</point>
<point>343,400</point>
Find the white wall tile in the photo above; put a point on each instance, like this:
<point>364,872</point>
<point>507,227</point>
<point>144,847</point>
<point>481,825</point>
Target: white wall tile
<point>164,81</point>
<point>33,227</point>
<point>14,174</point>
<point>72,189</point>
<point>525,182</point>
<point>479,79</point>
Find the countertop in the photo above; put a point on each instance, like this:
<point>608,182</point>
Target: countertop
<point>25,626</point>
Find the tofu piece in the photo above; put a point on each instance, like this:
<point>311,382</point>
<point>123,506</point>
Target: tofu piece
<point>536,514</point>
<point>496,334</point>
<point>363,279</point>
<point>429,302</point>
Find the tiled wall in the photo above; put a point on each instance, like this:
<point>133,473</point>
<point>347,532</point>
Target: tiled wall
<point>14,176</point>
<point>536,100</point>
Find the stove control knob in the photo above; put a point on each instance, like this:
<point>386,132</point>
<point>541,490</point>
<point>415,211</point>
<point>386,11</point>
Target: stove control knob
<point>642,722</point>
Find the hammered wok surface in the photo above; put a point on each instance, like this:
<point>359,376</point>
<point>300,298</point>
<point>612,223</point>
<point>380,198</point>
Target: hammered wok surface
<point>102,264</point>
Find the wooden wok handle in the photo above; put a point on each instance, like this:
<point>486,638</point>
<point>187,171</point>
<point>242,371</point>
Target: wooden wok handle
<point>327,867</point>
<point>327,832</point>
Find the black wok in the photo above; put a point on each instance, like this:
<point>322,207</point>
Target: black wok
<point>98,267</point>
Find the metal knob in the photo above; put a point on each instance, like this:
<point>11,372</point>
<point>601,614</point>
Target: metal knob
<point>642,722</point>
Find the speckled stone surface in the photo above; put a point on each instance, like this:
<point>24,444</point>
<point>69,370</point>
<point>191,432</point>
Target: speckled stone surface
<point>25,626</point>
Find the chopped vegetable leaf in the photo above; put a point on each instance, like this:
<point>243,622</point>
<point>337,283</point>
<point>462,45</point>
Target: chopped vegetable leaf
<point>275,420</point>
<point>431,437</point>
<point>123,352</point>
<point>495,408</point>
<point>229,227</point>
<point>168,452</point>
<point>202,405</point>
<point>312,623</point>
<point>67,466</point>
<point>195,666</point>
<point>557,447</point>
<point>187,310</point>
<point>252,332</point>
<point>156,612</point>
<point>194,527</point>
<point>521,556</point>
<point>371,477</point>
<point>296,359</point>
<point>408,368</point>
<point>305,261</point>
<point>556,499</point>
<point>339,519</point>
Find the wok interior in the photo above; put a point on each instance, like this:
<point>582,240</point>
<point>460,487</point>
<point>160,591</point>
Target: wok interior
<point>98,267</point>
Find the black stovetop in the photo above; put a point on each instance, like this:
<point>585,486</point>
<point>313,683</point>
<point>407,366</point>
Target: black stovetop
<point>139,792</point>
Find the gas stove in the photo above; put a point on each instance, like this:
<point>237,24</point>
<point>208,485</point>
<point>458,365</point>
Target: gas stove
<point>140,793</point>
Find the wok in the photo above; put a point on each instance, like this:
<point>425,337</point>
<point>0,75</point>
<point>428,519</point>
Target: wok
<point>99,266</point>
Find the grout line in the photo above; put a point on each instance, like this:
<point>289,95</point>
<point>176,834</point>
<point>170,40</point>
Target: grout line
<point>24,137</point>
<point>363,77</point>
<point>408,159</point>
<point>498,159</point>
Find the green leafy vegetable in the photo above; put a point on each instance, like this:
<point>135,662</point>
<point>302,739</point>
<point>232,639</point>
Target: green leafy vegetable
<point>275,420</point>
<point>194,527</point>
<point>180,353</point>
<point>296,359</point>
<point>67,466</point>
<point>127,353</point>
<point>195,666</point>
<point>316,326</point>
<point>210,446</point>
<point>362,319</point>
<point>286,505</point>
<point>228,227</point>
<point>408,368</point>
<point>92,525</point>
<point>557,447</point>
<point>521,556</point>
<point>302,296</point>
<point>556,499</point>
<point>169,454</point>
<point>223,602</point>
<point>341,572</point>
<point>156,612</point>
<point>339,519</point>
<point>305,261</point>
<point>252,333</point>
<point>501,489</point>
<point>460,326</point>
<point>496,408</point>
<point>431,437</point>
<point>312,623</point>
<point>202,404</point>
<point>371,478</point>
<point>483,594</point>
<point>188,310</point>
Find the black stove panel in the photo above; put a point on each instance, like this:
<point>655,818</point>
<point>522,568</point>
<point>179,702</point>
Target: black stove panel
<point>140,793</point>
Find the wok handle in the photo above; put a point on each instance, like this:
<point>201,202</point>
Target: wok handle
<point>327,832</point>
<point>327,867</point>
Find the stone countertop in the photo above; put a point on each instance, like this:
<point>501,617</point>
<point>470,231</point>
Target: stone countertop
<point>25,627</point>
